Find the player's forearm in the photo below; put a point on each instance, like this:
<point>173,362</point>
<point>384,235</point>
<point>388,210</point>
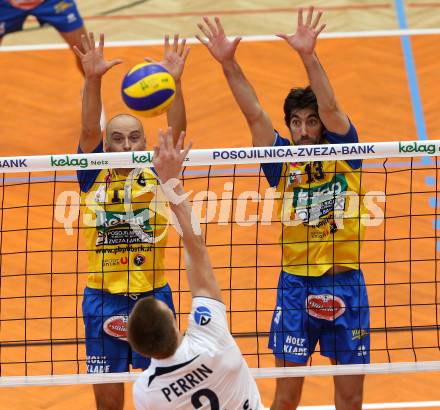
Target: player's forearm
<point>91,112</point>
<point>176,114</point>
<point>320,83</point>
<point>201,278</point>
<point>189,225</point>
<point>242,90</point>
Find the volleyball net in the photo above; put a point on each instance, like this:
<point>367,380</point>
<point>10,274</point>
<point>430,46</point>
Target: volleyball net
<point>44,265</point>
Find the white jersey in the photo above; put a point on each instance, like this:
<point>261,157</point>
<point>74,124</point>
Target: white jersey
<point>207,370</point>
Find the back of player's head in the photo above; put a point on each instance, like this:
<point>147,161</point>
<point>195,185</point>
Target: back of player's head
<point>297,99</point>
<point>152,330</point>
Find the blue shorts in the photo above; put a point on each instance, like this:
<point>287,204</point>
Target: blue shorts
<point>331,309</point>
<point>105,320</point>
<point>61,14</point>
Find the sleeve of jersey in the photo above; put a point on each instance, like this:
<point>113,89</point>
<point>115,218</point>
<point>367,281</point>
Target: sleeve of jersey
<point>273,171</point>
<point>351,137</point>
<point>208,321</point>
<point>87,177</point>
<point>139,395</point>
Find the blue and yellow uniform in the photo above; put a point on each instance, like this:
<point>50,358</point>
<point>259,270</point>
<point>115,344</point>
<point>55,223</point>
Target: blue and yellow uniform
<point>125,226</point>
<point>321,207</point>
<point>61,14</point>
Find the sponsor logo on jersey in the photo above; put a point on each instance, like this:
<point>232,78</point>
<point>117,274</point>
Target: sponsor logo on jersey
<point>97,364</point>
<point>110,262</point>
<point>202,315</point>
<point>100,194</point>
<point>116,326</point>
<point>312,204</point>
<point>295,346</point>
<point>327,307</point>
<point>124,260</point>
<point>139,259</point>
<point>362,351</point>
<point>358,333</point>
<point>71,18</point>
<point>278,313</point>
<point>141,180</point>
<point>62,6</point>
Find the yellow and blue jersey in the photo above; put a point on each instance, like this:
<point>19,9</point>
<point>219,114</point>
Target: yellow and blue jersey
<point>125,225</point>
<point>321,227</point>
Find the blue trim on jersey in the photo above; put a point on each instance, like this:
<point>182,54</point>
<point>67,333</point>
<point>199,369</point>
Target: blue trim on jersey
<point>351,137</point>
<point>62,15</point>
<point>273,171</point>
<point>87,178</point>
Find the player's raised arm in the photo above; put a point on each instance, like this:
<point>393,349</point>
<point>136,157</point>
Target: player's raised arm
<point>174,59</point>
<point>304,43</point>
<point>223,50</point>
<point>94,66</point>
<point>167,161</point>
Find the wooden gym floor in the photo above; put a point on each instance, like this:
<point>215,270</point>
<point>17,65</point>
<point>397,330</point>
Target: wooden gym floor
<point>40,115</point>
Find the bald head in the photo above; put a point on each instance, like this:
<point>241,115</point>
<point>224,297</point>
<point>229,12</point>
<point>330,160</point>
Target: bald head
<point>125,132</point>
<point>123,122</point>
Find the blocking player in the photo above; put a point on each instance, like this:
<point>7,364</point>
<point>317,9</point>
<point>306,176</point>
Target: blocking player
<point>321,292</point>
<point>124,228</point>
<point>203,368</point>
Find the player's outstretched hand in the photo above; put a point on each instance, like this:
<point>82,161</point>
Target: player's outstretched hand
<point>304,40</point>
<point>220,47</point>
<point>168,159</point>
<point>174,56</point>
<point>92,57</point>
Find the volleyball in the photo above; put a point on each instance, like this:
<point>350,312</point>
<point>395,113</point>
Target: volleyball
<point>148,89</point>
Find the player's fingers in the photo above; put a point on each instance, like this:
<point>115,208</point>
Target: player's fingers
<point>77,51</point>
<point>166,145</point>
<point>161,142</point>
<point>205,31</point>
<point>101,42</point>
<point>185,54</point>
<point>112,63</point>
<point>185,152</point>
<point>236,42</point>
<point>182,47</point>
<point>309,16</point>
<point>316,20</point>
<point>300,17</point>
<point>203,41</point>
<point>85,43</point>
<point>166,42</point>
<point>92,41</point>
<point>281,35</point>
<point>210,25</point>
<point>219,26</point>
<point>180,141</point>
<point>156,152</point>
<point>175,43</point>
<point>320,30</point>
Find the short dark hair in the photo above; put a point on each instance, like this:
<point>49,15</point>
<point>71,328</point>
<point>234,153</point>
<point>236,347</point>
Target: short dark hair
<point>151,331</point>
<point>297,99</point>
